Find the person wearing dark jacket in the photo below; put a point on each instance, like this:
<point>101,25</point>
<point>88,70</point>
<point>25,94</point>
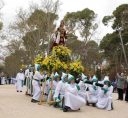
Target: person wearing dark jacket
<point>126,94</point>
<point>120,85</point>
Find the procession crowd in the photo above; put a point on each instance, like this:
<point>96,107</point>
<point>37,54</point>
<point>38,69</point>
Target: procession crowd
<point>67,92</point>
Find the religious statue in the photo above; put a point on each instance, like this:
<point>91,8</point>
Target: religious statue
<point>60,35</point>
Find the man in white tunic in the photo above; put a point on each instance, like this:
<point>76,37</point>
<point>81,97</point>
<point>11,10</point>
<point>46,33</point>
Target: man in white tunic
<point>92,93</point>
<point>36,85</point>
<point>105,95</point>
<point>72,100</point>
<point>19,78</point>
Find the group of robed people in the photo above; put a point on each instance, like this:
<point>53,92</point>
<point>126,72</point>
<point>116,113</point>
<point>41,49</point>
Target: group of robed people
<point>65,92</point>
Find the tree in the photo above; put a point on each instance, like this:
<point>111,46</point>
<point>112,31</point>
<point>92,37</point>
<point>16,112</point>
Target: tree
<point>118,17</point>
<point>36,26</point>
<point>82,21</point>
<point>118,38</point>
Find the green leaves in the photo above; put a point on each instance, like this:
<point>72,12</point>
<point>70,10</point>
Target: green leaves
<point>82,21</point>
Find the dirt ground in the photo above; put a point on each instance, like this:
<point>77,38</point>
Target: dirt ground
<point>17,105</point>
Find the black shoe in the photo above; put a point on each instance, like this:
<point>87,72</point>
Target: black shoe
<point>87,104</point>
<point>65,109</point>
<point>34,101</point>
<point>112,106</point>
<point>55,105</point>
<point>94,105</point>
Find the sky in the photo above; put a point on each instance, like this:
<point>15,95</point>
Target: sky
<point>101,8</point>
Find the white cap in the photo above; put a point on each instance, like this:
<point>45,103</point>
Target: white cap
<point>64,75</point>
<point>106,78</point>
<point>83,77</point>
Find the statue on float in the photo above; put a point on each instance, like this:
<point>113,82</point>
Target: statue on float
<point>60,36</point>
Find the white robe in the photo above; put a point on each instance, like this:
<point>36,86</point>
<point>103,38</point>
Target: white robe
<point>3,80</point>
<point>19,84</point>
<point>72,98</point>
<point>53,89</point>
<point>27,79</point>
<point>92,94</point>
<point>36,85</point>
<point>82,91</point>
<point>105,100</point>
<point>30,83</point>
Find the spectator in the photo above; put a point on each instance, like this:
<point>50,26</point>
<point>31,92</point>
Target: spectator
<point>126,94</point>
<point>120,85</point>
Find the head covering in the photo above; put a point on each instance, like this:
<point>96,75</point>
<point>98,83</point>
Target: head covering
<point>21,70</point>
<point>56,75</point>
<point>64,75</point>
<point>83,77</point>
<point>30,65</point>
<point>106,79</point>
<point>37,67</point>
<point>94,79</point>
<point>70,77</point>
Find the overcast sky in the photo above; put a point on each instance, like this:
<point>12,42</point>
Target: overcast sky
<point>101,7</point>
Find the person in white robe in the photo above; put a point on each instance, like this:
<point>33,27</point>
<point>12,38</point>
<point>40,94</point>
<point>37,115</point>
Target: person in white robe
<point>83,86</point>
<point>92,93</point>
<point>27,75</point>
<point>36,85</point>
<point>72,100</point>
<point>60,91</point>
<point>19,81</point>
<point>52,84</point>
<point>3,80</point>
<point>30,89</point>
<point>105,95</point>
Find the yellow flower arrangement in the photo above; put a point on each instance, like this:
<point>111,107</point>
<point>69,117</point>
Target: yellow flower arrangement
<point>51,63</point>
<point>62,52</point>
<point>38,59</point>
<point>76,67</point>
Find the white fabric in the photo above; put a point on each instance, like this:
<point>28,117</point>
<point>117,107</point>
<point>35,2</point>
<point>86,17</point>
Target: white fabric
<point>82,91</point>
<point>53,89</point>
<point>3,80</point>
<point>36,90</point>
<point>38,76</point>
<point>105,100</point>
<point>58,37</point>
<point>36,85</point>
<point>19,78</point>
<point>30,83</point>
<point>92,94</point>
<point>60,89</point>
<point>72,98</point>
<point>27,73</point>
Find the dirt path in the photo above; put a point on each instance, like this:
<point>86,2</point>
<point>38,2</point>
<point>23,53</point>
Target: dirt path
<point>17,105</point>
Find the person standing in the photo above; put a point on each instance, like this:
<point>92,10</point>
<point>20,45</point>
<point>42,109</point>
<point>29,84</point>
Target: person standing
<point>36,85</point>
<point>20,78</point>
<point>120,85</point>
